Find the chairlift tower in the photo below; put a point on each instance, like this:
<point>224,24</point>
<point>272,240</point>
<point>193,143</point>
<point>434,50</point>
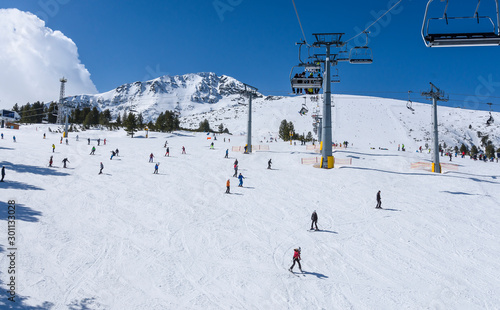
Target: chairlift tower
<point>436,95</point>
<point>60,105</point>
<point>328,40</point>
<point>250,92</point>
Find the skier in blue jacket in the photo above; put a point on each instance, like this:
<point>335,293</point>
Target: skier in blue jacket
<point>240,177</point>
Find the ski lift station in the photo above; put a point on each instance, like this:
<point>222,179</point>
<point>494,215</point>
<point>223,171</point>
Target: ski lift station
<point>7,117</point>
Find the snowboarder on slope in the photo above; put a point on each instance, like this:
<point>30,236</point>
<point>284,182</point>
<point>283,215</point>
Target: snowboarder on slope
<point>3,173</point>
<point>379,201</point>
<point>296,259</point>
<point>102,167</point>
<point>228,184</point>
<point>240,177</point>
<point>156,168</point>
<point>269,164</point>
<point>314,219</point>
<point>65,161</point>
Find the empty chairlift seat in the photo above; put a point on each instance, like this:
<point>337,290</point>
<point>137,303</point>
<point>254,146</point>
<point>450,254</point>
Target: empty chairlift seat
<point>449,31</point>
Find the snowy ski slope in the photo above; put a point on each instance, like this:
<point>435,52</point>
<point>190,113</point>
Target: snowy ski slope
<point>129,239</point>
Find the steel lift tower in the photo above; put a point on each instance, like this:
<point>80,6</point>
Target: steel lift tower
<point>60,105</point>
<point>436,95</point>
<point>250,92</point>
<point>328,40</point>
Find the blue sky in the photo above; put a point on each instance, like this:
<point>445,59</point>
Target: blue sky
<point>254,41</point>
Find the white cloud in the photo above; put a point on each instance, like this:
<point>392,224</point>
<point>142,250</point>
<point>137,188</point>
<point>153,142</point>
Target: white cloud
<point>33,58</point>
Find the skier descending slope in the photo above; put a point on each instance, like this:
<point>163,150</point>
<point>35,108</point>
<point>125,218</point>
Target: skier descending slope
<point>240,177</point>
<point>156,168</point>
<point>102,167</point>
<point>296,259</point>
<point>228,185</point>
<point>65,161</point>
<point>379,201</point>
<point>314,219</point>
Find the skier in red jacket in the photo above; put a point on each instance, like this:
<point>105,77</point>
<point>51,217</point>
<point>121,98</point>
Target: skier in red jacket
<point>296,258</point>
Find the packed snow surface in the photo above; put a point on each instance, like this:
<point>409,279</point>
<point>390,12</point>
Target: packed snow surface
<point>131,239</point>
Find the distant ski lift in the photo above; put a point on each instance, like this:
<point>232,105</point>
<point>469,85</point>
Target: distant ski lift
<point>490,120</point>
<point>336,77</point>
<point>481,30</point>
<point>361,54</point>
<point>303,110</point>
<point>409,103</point>
<point>343,55</point>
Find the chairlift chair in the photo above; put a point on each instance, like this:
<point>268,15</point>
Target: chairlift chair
<point>343,55</point>
<point>335,77</point>
<point>409,103</point>
<point>304,82</point>
<point>361,54</point>
<point>303,110</point>
<point>482,29</point>
<point>490,120</point>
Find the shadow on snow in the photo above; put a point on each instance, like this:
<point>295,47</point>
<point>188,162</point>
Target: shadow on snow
<point>20,168</point>
<point>22,213</point>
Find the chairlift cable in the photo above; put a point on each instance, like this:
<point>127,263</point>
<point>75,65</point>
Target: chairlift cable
<point>300,24</point>
<point>374,21</point>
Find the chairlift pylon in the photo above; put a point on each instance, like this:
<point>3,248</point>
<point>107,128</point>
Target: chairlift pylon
<point>482,29</point>
<point>361,54</point>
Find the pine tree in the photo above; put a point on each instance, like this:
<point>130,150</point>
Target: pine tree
<point>131,124</point>
<point>140,121</point>
<point>284,131</point>
<point>464,149</point>
<point>473,150</point>
<point>204,126</point>
<point>490,150</point>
